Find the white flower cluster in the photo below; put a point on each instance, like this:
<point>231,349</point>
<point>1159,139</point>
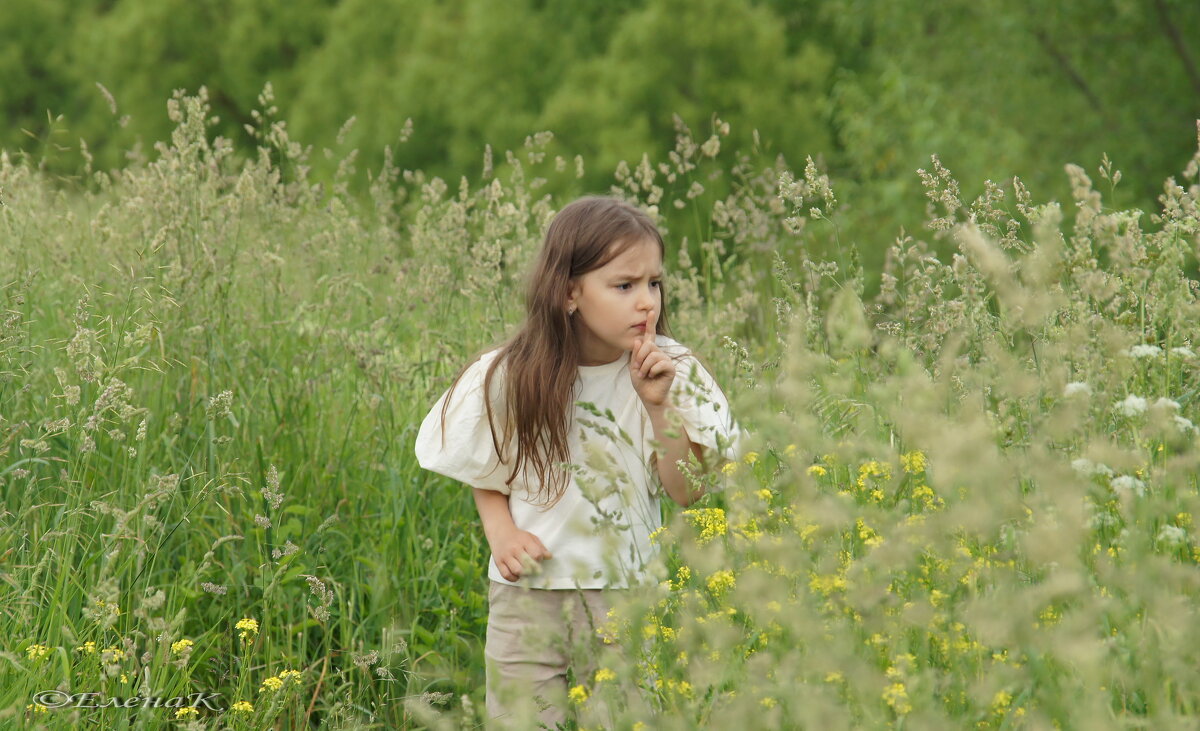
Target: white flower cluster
<point>1131,406</point>
<point>1172,535</point>
<point>1145,351</point>
<point>1128,483</point>
<point>1153,351</point>
<point>1088,468</point>
<point>1077,388</point>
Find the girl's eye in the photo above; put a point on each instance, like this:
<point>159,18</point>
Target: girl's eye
<point>627,284</point>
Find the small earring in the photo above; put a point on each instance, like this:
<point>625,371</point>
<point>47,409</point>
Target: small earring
<point>571,311</point>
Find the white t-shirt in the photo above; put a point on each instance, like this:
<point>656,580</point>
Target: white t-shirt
<point>599,531</point>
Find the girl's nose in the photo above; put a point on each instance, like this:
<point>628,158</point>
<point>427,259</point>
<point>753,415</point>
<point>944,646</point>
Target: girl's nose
<point>647,301</point>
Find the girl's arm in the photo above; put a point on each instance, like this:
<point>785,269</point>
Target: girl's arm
<point>676,448</point>
<point>510,545</point>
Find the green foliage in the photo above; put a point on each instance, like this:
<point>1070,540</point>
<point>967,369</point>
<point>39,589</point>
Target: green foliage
<point>972,498</point>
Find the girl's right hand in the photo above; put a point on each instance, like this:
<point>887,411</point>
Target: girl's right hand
<point>517,552</point>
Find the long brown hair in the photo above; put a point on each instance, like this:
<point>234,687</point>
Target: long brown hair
<point>543,356</point>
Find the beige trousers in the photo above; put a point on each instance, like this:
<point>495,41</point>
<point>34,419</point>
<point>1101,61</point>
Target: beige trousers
<point>533,637</point>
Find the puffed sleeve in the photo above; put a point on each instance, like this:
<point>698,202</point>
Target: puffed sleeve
<point>463,449</point>
<point>704,410</point>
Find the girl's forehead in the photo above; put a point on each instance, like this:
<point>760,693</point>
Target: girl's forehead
<point>643,253</point>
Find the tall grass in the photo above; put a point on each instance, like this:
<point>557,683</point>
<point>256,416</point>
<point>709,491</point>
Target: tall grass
<point>971,499</point>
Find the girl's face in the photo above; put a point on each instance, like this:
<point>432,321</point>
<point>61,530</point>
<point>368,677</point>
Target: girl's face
<point>615,299</point>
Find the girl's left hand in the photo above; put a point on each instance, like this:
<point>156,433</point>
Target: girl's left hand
<point>651,370</point>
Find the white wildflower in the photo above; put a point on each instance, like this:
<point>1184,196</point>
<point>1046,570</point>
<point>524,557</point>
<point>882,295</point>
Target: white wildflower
<point>1128,483</point>
<point>1145,351</point>
<point>220,405</point>
<point>1166,403</point>
<point>1088,468</point>
<point>1077,388</point>
<point>1184,425</point>
<point>1183,352</point>
<point>1172,535</point>
<point>1132,406</point>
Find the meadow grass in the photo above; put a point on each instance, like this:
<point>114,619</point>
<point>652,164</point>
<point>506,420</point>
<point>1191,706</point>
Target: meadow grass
<point>970,501</point>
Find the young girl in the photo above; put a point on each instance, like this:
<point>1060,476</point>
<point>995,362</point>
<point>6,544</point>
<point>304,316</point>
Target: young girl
<point>588,408</point>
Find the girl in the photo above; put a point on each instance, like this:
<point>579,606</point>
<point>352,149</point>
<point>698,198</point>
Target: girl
<point>595,404</point>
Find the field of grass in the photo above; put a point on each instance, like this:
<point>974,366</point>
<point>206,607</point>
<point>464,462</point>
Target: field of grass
<point>971,499</point>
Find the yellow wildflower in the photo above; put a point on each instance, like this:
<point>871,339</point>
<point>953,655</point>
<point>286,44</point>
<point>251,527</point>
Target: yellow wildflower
<point>729,468</point>
<point>682,687</point>
<point>285,674</point>
<point>109,607</point>
<point>272,684</point>
<point>578,694</point>
<point>826,585</point>
<point>763,494</point>
<point>88,648</point>
<point>834,677</point>
<point>817,470</point>
<point>682,576</point>
<point>913,462</point>
<point>873,469</point>
<point>180,646</point>
<point>710,521</point>
<point>768,702</point>
<point>112,654</point>
<point>1001,701</point>
<point>790,450</point>
<point>35,707</point>
<point>604,674</point>
<point>242,707</point>
<point>186,712</point>
<point>721,581</point>
<point>35,652</point>
<point>248,627</point>
<point>896,696</point>
<point>750,458</point>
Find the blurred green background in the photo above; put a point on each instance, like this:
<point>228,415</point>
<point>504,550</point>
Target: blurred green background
<point>868,89</point>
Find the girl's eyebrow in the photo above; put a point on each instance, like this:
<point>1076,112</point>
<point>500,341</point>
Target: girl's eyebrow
<point>631,275</point>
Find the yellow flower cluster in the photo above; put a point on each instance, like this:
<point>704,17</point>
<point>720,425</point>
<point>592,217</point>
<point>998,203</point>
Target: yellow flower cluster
<point>873,470</point>
<point>913,462</point>
<point>36,652</point>
<point>710,522</point>
<point>720,582</point>
<point>249,629</point>
<point>275,682</point>
<point>242,707</point>
<point>180,646</point>
<point>112,654</point>
<point>896,696</point>
<point>578,695</point>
